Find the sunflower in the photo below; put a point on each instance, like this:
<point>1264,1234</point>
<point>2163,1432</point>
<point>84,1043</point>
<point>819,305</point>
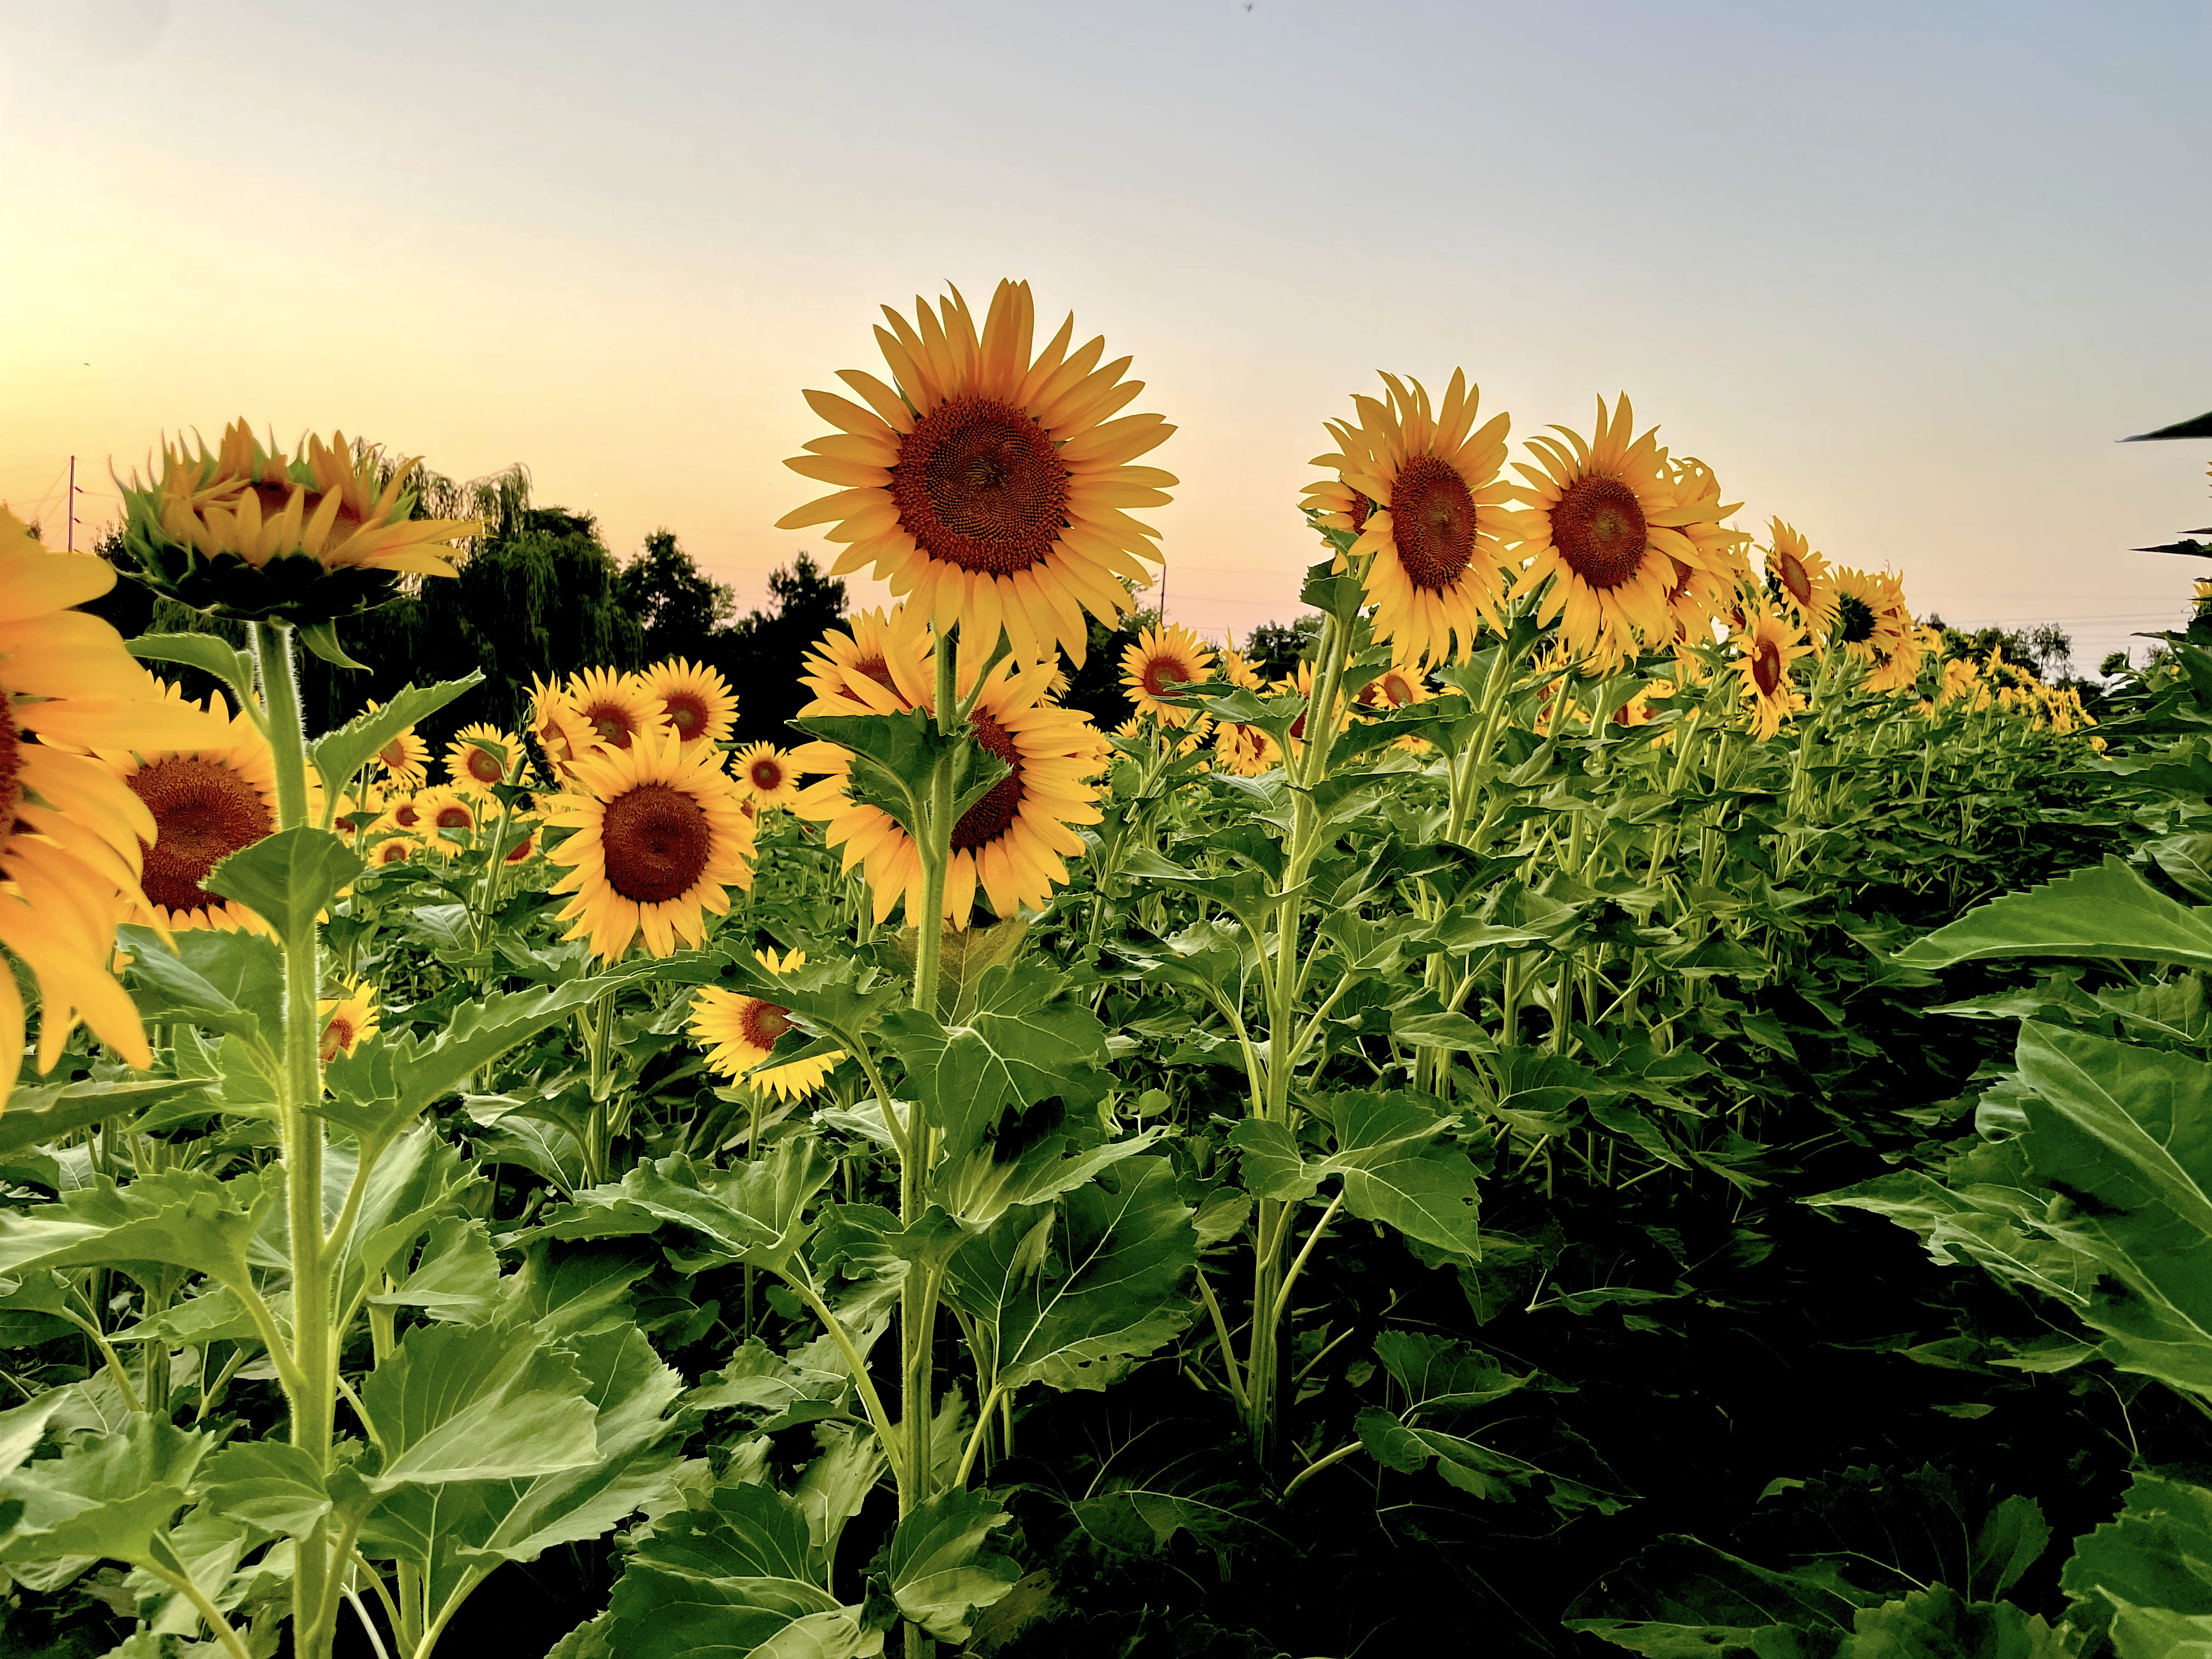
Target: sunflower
<point>1236,670</point>
<point>1399,686</point>
<point>481,756</point>
<point>1897,668</point>
<point>1163,657</point>
<point>1426,501</point>
<point>1605,527</point>
<point>1766,647</point>
<point>348,1021</point>
<point>1800,576</point>
<point>1244,750</point>
<point>402,812</point>
<point>1867,627</point>
<point>867,665</point>
<point>737,1031</point>
<point>660,839</point>
<point>71,834</point>
<point>1011,842</point>
<point>521,851</point>
<point>764,773</point>
<point>396,848</point>
<point>1185,740</point>
<point>603,710</point>
<point>987,486</point>
<point>553,720</point>
<point>207,803</point>
<point>448,818</point>
<point>695,702</point>
<point>256,532</point>
<point>1700,590</point>
<point>355,815</point>
<point>405,760</point>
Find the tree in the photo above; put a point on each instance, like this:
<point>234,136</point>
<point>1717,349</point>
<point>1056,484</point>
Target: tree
<point>680,608</point>
<point>761,653</point>
<point>1274,648</point>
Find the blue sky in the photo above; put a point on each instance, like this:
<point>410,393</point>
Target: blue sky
<point>1900,274</point>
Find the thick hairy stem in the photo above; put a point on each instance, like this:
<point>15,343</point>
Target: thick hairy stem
<point>314,1352</point>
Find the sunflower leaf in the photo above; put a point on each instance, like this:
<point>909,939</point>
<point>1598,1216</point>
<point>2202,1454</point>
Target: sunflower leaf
<point>2108,910</point>
<point>286,879</point>
<point>322,639</point>
<point>179,1217</point>
<point>754,1215</point>
<point>338,755</point>
<point>108,1496</point>
<point>943,1570</point>
<point>483,1403</point>
<point>204,651</point>
<point>218,979</point>
<point>35,1116</point>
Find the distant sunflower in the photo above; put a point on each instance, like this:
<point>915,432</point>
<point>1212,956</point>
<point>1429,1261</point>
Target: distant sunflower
<point>660,839</point>
<point>354,815</point>
<point>695,702</point>
<point>348,1021</point>
<point>1701,589</point>
<point>1236,670</point>
<point>449,819</point>
<point>1606,528</point>
<point>481,756</point>
<point>1435,518</point>
<point>1766,647</point>
<point>764,772</point>
<point>555,724</point>
<point>521,852</point>
<point>402,812</point>
<point>1398,687</point>
<point>1244,750</point>
<point>987,486</point>
<point>207,803</point>
<point>1800,577</point>
<point>605,710</point>
<point>1012,843</point>
<point>71,833</point>
<point>739,1030</point>
<point>1161,658</point>
<point>867,664</point>
<point>397,848</point>
<point>1897,668</point>
<point>1867,626</point>
<point>405,760</point>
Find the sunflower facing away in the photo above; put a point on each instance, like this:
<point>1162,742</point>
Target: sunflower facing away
<point>764,772</point>
<point>1420,485</point>
<point>1867,626</point>
<point>1800,576</point>
<point>207,803</point>
<point>1605,527</point>
<point>71,834</point>
<point>660,838</point>
<point>987,485</point>
<point>348,1021</point>
<point>1161,658</point>
<point>481,756</point>
<point>1009,843</point>
<point>694,700</point>
<point>1897,668</point>
<point>1766,647</point>
<point>737,1031</point>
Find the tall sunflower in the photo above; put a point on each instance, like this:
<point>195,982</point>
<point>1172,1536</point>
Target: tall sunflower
<point>766,775</point>
<point>987,485</point>
<point>1012,843</point>
<point>1800,577</point>
<point>256,533</point>
<point>1897,668</point>
<point>737,1031</point>
<point>1766,647</point>
<point>71,834</point>
<point>1605,527</point>
<point>481,756</point>
<point>695,702</point>
<point>1163,657</point>
<point>207,803</point>
<point>1867,627</point>
<point>1420,485</point>
<point>605,710</point>
<point>660,839</point>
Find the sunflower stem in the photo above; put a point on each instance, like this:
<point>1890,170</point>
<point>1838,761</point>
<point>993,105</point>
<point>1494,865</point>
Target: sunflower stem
<point>315,1404</point>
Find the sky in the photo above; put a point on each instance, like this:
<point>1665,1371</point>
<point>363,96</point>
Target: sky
<point>1901,274</point>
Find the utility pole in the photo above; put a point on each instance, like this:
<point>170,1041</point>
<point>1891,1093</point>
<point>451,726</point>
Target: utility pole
<point>71,534</point>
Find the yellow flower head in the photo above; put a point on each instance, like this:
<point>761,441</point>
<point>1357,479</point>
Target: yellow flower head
<point>737,1031</point>
<point>1800,576</point>
<point>695,702</point>
<point>1163,657</point>
<point>348,1021</point>
<point>766,775</point>
<point>481,756</point>
<point>989,483</point>
<point>1765,648</point>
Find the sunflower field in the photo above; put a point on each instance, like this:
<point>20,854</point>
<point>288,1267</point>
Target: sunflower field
<point>1631,1100</point>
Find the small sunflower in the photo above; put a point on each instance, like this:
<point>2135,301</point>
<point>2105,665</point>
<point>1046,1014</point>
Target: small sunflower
<point>448,818</point>
<point>1702,589</point>
<point>355,815</point>
<point>695,702</point>
<point>1800,577</point>
<point>404,812</point>
<point>1766,647</point>
<point>1012,843</point>
<point>554,723</point>
<point>737,1031</point>
<point>1897,668</point>
<point>765,774</point>
<point>405,760</point>
<point>207,803</point>
<point>348,1021</point>
<point>605,711</point>
<point>481,756</point>
<point>868,665</point>
<point>1399,686</point>
<point>521,852</point>
<point>1244,750</point>
<point>1236,670</point>
<point>397,849</point>
<point>256,533</point>
<point>1867,627</point>
<point>660,839</point>
<point>1606,528</point>
<point>1161,658</point>
<point>988,485</point>
<point>1425,496</point>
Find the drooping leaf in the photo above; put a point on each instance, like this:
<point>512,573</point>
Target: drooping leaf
<point>183,1219</point>
<point>107,1496</point>
<point>2155,1553</point>
<point>754,1215</point>
<point>1681,1598</point>
<point>941,1568</point>
<point>286,879</point>
<point>37,1115</point>
<point>219,978</point>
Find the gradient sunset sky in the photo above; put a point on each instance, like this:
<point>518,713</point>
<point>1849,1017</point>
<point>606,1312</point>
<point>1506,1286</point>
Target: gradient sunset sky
<point>1900,273</point>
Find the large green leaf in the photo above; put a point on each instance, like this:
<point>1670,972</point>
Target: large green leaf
<point>941,1567</point>
<point>2108,910</point>
<point>338,755</point>
<point>270,1484</point>
<point>183,1219</point>
<point>1072,1310</point>
<point>220,979</point>
<point>479,1404</point>
<point>1413,1178</point>
<point>2156,1552</point>
<point>287,878</point>
<point>35,1116</point>
<point>756,1213</point>
<point>107,1496</point>
<point>1682,1599</point>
